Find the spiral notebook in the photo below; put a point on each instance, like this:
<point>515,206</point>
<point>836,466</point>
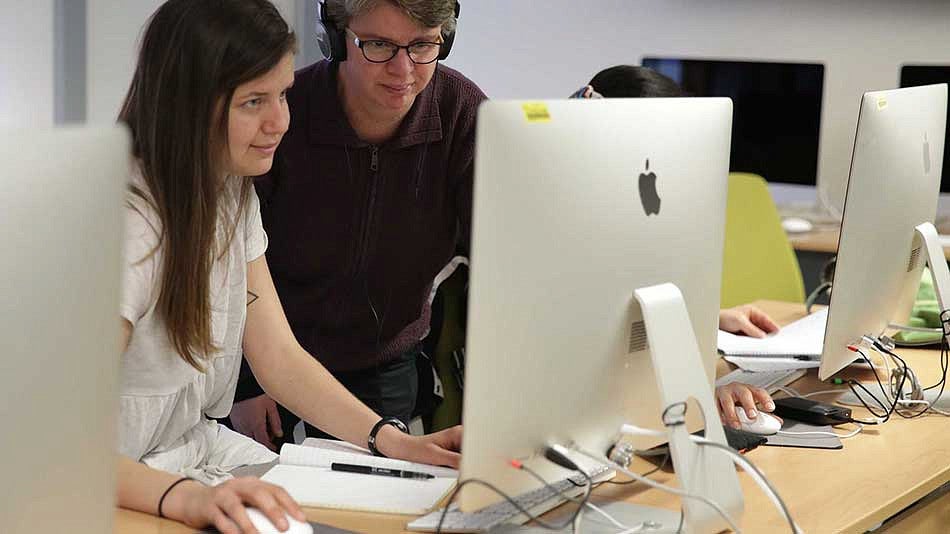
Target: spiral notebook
<point>304,471</point>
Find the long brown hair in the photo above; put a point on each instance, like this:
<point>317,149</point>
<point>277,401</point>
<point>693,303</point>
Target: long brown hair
<point>194,54</point>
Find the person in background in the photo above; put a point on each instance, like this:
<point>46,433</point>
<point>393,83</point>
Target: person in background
<point>207,109</point>
<point>627,81</point>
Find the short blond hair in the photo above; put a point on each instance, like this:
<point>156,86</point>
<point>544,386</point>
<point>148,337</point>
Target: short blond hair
<point>427,13</point>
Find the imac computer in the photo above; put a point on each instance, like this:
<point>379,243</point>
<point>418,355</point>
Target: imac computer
<point>577,204</point>
<point>914,76</point>
<point>61,235</point>
<point>892,189</point>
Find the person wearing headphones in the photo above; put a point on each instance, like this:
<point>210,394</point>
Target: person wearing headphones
<point>628,81</point>
<point>367,203</point>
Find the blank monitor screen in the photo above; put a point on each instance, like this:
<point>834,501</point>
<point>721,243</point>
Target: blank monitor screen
<point>915,75</point>
<point>776,106</point>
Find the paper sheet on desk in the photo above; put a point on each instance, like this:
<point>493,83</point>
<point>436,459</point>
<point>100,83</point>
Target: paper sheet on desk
<point>304,471</point>
<point>803,337</point>
<point>769,363</point>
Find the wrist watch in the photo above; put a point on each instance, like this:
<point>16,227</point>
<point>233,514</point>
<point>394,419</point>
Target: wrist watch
<point>371,440</point>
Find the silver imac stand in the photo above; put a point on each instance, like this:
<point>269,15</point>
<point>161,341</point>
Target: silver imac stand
<point>926,233</point>
<point>680,375</point>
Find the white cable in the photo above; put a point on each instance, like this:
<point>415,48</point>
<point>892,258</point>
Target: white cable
<point>826,434</point>
<point>908,328</point>
<point>737,458</point>
<point>757,476</point>
<point>663,487</point>
<point>926,403</point>
<point>823,392</point>
<point>788,391</point>
<point>609,517</point>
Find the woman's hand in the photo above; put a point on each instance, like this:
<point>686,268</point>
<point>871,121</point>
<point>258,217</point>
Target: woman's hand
<point>744,395</point>
<point>223,506</point>
<point>438,448</point>
<point>748,320</point>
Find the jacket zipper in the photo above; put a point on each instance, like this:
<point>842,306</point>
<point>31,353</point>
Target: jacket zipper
<point>371,205</point>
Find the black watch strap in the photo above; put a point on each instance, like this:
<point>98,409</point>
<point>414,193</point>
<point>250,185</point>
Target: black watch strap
<point>371,440</point>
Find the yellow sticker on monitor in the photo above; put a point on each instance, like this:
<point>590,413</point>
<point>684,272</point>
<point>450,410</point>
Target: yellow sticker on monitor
<point>881,103</point>
<point>536,112</point>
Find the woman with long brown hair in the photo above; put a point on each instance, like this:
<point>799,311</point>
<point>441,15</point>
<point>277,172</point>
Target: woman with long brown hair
<point>207,109</point>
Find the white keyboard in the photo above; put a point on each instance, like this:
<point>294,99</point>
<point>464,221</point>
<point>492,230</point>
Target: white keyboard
<point>768,380</point>
<point>536,502</point>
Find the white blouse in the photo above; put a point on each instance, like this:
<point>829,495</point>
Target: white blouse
<point>165,403</point>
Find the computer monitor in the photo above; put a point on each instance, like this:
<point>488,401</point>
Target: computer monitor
<point>578,203</point>
<point>917,75</point>
<point>893,187</point>
<point>777,111</point>
<point>60,214</point>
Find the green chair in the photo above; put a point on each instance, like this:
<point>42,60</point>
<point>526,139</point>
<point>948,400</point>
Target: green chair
<point>758,261</point>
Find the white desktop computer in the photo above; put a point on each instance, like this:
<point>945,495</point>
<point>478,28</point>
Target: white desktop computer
<point>60,236</point>
<point>577,204</point>
<point>893,188</point>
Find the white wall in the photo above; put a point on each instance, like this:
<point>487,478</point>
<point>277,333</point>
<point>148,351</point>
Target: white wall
<point>114,28</point>
<point>548,48</point>
<point>26,63</point>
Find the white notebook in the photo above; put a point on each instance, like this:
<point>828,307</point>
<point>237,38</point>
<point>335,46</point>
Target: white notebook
<point>304,471</point>
<point>803,338</point>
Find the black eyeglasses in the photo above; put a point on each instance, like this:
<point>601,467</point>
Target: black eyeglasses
<point>379,51</point>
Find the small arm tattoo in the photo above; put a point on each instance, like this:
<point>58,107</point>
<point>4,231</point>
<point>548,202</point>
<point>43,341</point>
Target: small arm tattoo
<point>251,297</point>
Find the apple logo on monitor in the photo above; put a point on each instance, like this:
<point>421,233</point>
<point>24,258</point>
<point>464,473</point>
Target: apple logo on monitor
<point>648,196</point>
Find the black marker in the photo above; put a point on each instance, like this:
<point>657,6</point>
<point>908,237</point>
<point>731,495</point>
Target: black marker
<point>370,470</point>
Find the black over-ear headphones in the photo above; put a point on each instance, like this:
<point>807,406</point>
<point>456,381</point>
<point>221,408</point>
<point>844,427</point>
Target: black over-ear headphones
<point>332,41</point>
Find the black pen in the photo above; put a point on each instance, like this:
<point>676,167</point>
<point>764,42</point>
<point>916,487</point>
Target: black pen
<point>370,470</point>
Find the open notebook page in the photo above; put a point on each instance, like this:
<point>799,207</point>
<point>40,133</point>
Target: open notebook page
<point>304,471</point>
<point>803,337</point>
<point>321,453</point>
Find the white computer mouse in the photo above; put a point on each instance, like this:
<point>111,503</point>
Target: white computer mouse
<point>763,425</point>
<point>796,225</point>
<point>264,525</point>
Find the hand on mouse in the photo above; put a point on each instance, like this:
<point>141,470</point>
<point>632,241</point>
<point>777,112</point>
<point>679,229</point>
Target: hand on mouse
<point>223,506</point>
<point>744,395</point>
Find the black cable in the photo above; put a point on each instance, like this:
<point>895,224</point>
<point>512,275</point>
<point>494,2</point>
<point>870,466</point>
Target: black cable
<point>679,527</point>
<point>906,413</point>
<point>893,406</point>
<point>940,383</point>
<point>944,354</point>
<point>531,518</point>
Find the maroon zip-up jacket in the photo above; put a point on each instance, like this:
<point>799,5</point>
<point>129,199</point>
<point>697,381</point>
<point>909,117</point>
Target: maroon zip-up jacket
<point>358,232</point>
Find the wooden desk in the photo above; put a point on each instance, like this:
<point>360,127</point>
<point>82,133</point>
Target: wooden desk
<point>825,241</point>
<point>878,474</point>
